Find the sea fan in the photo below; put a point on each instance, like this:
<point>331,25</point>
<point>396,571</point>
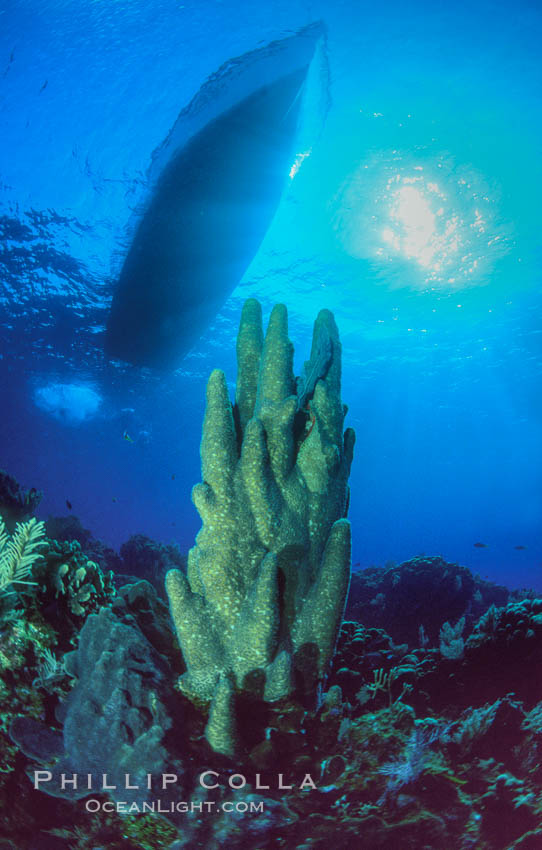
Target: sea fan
<point>19,552</point>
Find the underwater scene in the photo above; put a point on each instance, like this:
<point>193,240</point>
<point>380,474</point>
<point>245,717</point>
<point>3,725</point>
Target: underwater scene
<point>270,455</point>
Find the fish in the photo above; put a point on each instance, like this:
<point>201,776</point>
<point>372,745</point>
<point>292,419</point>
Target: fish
<point>68,504</point>
<point>211,192</point>
<point>127,437</point>
<point>11,58</point>
<point>519,548</point>
<point>480,545</point>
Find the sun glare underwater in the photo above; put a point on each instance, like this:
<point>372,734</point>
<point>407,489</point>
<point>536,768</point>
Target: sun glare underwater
<point>411,211</point>
<point>442,220</point>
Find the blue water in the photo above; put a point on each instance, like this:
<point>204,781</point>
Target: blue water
<point>415,219</point>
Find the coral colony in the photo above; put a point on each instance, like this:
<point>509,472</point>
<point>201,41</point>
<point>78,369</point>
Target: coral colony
<point>256,711</point>
<point>259,611</point>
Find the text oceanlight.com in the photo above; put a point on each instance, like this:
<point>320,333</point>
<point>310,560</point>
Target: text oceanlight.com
<point>162,807</point>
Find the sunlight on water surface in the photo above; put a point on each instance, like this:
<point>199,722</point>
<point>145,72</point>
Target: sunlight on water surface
<point>433,224</point>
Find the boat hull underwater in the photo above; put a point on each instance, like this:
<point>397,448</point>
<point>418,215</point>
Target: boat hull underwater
<point>214,186</point>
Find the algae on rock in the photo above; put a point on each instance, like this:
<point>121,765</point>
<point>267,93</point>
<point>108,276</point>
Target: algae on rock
<point>267,580</point>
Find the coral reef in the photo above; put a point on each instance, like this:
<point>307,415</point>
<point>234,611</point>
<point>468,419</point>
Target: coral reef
<point>139,556</point>
<point>425,591</point>
<point>114,719</point>
<point>360,651</point>
<point>501,652</point>
<point>144,558</point>
<point>406,748</point>
<point>69,528</point>
<point>16,504</point>
<point>70,585</point>
<point>107,706</point>
<point>267,579</point>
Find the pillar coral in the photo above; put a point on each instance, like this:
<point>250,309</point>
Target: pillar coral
<point>261,605</point>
